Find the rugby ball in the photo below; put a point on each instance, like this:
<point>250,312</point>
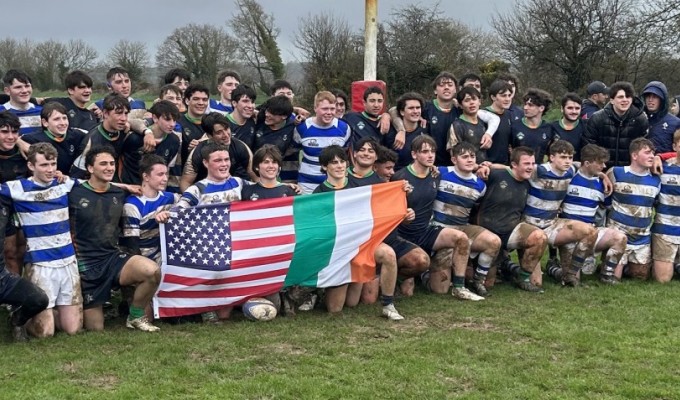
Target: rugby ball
<point>259,309</point>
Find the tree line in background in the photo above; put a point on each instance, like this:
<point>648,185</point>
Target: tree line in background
<point>558,45</point>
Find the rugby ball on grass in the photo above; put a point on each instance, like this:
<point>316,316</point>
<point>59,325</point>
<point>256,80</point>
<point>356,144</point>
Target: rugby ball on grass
<point>259,309</point>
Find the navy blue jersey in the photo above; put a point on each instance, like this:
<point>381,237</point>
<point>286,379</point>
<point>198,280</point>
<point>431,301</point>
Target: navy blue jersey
<point>190,131</point>
<point>245,132</point>
<point>538,139</point>
<point>572,136</point>
<point>98,137</point>
<point>68,148</point>
<point>500,210</point>
<point>438,124</point>
<point>12,165</point>
<point>259,192</point>
<point>405,152</point>
<point>421,200</point>
<point>468,132</point>
<point>363,125</point>
<point>499,152</point>
<point>239,154</point>
<point>133,150</point>
<point>369,179</point>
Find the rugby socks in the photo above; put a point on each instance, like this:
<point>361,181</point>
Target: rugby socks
<point>136,312</point>
<point>483,264</point>
<point>386,300</point>
<point>459,281</point>
<point>524,275</point>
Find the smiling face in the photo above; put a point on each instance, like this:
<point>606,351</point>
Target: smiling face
<point>157,178</point>
<point>621,102</point>
<point>218,165</point>
<point>80,94</point>
<point>8,138</point>
<point>227,86</point>
<point>43,169</point>
<point>445,90</point>
<point>121,84</point>
<point>19,92</point>
<point>56,123</point>
<point>336,168</point>
<point>244,106</point>
<point>365,156</point>
<point>103,168</point>
<point>412,111</point>
<point>197,104</point>
<point>325,112</point>
<point>465,162</point>
<point>374,103</point>
<point>525,168</point>
<point>502,100</point>
<point>571,111</point>
<point>268,168</point>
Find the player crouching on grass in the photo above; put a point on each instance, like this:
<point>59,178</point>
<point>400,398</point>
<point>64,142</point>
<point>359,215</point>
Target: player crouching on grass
<point>334,160</point>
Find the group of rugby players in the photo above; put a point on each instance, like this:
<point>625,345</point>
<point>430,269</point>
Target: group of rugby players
<point>85,186</point>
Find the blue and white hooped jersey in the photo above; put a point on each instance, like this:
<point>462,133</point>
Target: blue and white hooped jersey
<point>42,212</point>
<point>216,106</point>
<point>633,203</point>
<point>139,220</point>
<point>29,118</point>
<point>548,189</point>
<point>667,219</point>
<point>209,192</point>
<point>456,196</point>
<point>313,139</point>
<point>584,195</point>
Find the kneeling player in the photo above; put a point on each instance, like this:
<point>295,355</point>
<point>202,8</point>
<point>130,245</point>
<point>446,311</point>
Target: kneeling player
<point>459,189</point>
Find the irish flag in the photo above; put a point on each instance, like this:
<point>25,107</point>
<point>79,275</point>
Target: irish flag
<point>222,254</point>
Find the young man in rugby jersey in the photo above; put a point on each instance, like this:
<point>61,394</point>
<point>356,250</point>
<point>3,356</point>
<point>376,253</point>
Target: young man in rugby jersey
<point>95,211</point>
<point>242,119</point>
<point>458,191</point>
<point>334,161</point>
<point>267,162</point>
<point>140,228</point>
<point>472,80</point>
<point>570,127</point>
<point>451,246</point>
<point>467,127</point>
<point>632,206</point>
<point>365,123</point>
<point>216,128</point>
<point>111,132</point>
<point>275,126</point>
<point>409,106</point>
<point>164,116</point>
<point>513,81</point>
<point>500,93</point>
<point>315,134</point>
<point>196,99</point>
<point>41,205</point>
<point>17,85</point>
<point>118,81</point>
<point>57,131</point>
<point>385,162</point>
<point>12,166</point>
<point>227,81</point>
<point>439,115</point>
<point>282,87</point>
<point>500,211</point>
<point>79,89</point>
<point>531,130</point>
<point>549,184</point>
<point>585,194</point>
<point>341,103</point>
<point>181,78</point>
<point>666,230</point>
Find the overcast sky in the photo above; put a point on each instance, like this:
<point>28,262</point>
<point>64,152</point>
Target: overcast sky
<point>103,23</point>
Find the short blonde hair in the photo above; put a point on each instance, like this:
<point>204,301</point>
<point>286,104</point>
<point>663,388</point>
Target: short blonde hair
<point>324,95</point>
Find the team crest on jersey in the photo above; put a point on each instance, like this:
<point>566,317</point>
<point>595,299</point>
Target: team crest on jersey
<point>520,135</point>
<point>574,191</point>
<point>40,196</point>
<point>338,141</point>
<point>252,130</point>
<point>627,189</point>
<point>15,169</point>
<point>115,201</point>
<point>672,181</point>
<point>71,113</point>
<point>545,136</point>
<point>254,196</point>
<point>434,185</point>
<point>449,188</point>
<point>259,133</point>
<point>361,125</point>
<point>84,203</point>
<point>665,125</point>
<point>71,149</point>
<point>312,143</point>
<point>503,184</point>
<point>4,211</point>
<point>167,152</point>
<point>471,133</point>
<point>549,184</point>
<point>434,120</point>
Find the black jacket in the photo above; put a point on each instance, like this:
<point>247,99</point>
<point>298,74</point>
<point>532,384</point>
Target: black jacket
<point>605,128</point>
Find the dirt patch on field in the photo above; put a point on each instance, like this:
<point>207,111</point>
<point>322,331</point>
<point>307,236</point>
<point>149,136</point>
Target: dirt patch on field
<point>287,348</point>
<point>69,368</point>
<point>106,382</point>
<point>479,325</point>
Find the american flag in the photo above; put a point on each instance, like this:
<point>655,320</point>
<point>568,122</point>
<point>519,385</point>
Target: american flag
<point>222,254</point>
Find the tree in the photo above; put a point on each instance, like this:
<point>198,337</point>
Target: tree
<point>79,56</point>
<point>580,40</point>
<point>417,43</point>
<point>131,56</point>
<point>257,44</point>
<point>16,54</point>
<point>201,49</point>
<point>332,54</point>
<point>50,62</point>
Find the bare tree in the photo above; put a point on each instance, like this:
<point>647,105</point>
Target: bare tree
<point>49,63</point>
<point>16,54</point>
<point>577,40</point>
<point>331,53</point>
<point>417,43</point>
<point>201,49</point>
<point>257,41</point>
<point>132,56</point>
<point>80,55</point>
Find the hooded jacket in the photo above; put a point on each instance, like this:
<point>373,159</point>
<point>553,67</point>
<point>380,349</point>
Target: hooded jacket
<point>606,129</point>
<point>662,124</point>
<point>588,108</point>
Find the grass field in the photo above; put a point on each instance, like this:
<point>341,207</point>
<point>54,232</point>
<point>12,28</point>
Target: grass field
<point>597,342</point>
